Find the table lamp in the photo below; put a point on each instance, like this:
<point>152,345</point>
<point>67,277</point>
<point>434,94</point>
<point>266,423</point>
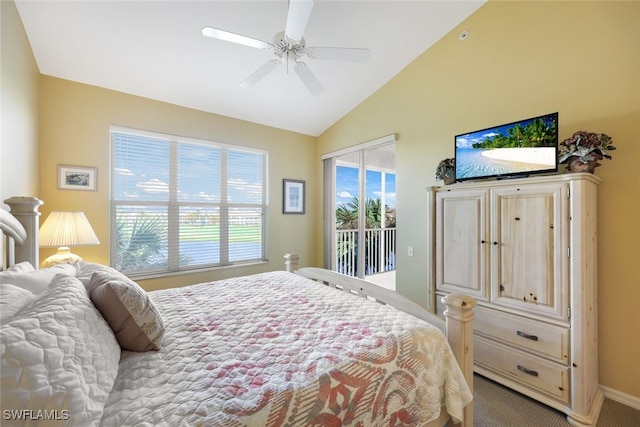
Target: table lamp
<point>64,229</point>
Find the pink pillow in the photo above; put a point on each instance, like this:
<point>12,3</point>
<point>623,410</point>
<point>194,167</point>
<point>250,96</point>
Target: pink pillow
<point>130,313</point>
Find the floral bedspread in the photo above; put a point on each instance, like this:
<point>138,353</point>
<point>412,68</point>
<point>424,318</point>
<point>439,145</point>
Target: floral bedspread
<point>275,349</point>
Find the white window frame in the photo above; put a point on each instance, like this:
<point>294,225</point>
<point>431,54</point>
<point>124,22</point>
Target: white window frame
<point>173,205</point>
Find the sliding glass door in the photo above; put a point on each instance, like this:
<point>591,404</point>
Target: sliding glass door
<point>360,189</point>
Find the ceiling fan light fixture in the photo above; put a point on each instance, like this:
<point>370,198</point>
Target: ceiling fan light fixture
<point>284,46</point>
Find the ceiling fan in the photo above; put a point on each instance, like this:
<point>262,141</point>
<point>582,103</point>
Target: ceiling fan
<point>290,46</point>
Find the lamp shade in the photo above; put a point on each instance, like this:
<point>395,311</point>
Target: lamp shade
<point>67,229</point>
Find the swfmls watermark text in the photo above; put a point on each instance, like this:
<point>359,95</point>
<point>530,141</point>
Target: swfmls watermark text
<point>35,414</point>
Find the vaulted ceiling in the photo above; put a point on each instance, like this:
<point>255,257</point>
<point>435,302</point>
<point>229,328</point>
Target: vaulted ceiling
<point>156,49</point>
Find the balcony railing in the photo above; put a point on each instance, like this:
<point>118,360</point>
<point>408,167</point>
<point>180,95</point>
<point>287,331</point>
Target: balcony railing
<point>379,251</point>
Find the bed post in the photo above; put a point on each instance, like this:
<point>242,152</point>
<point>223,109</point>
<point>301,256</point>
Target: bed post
<point>25,210</point>
<point>459,329</point>
<point>292,262</point>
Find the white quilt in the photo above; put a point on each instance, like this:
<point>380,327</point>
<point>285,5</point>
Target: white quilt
<point>277,349</point>
<point>59,359</point>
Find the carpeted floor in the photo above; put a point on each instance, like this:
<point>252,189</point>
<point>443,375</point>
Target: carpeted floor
<point>498,406</point>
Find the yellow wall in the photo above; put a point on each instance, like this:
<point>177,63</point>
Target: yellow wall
<point>520,60</point>
<point>19,98</point>
<point>74,128</point>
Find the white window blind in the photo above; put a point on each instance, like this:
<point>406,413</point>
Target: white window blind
<point>180,204</point>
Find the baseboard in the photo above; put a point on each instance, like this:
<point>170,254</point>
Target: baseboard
<point>620,397</point>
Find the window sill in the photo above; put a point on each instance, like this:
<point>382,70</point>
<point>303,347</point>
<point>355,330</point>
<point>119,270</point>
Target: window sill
<point>158,275</point>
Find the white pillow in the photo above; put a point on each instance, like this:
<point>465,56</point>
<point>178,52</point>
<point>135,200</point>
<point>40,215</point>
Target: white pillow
<point>59,354</point>
<point>21,267</point>
<point>35,281</point>
<point>12,299</point>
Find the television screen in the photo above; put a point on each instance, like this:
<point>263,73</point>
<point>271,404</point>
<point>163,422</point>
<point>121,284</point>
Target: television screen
<point>514,149</point>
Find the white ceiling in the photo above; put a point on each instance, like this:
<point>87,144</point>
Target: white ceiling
<point>155,49</point>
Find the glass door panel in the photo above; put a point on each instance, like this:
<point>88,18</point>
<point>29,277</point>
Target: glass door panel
<point>379,212</point>
<point>365,188</point>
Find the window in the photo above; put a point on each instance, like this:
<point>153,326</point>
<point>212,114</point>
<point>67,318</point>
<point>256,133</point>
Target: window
<point>179,204</point>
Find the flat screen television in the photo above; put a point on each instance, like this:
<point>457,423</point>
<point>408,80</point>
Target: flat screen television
<point>511,150</point>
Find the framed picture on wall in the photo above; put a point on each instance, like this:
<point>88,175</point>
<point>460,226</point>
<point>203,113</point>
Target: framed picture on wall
<point>77,178</point>
<point>293,196</point>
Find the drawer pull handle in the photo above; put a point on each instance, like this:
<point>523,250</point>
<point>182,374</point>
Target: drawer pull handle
<point>527,371</point>
<point>527,336</point>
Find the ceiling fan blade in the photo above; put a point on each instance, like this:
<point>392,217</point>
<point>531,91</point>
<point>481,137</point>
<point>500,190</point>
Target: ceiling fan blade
<point>235,38</point>
<point>260,73</point>
<point>339,53</point>
<point>308,78</point>
<point>297,18</point>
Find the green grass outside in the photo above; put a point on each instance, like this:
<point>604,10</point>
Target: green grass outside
<point>211,233</point>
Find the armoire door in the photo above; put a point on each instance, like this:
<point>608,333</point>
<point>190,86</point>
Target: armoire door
<point>461,255</point>
<point>529,248</point>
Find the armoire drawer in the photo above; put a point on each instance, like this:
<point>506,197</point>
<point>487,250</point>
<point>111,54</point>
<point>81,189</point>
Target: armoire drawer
<point>530,335</point>
<point>540,374</point>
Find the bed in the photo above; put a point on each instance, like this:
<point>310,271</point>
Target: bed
<point>299,347</point>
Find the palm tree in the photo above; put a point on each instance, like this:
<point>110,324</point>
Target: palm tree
<point>347,214</point>
<point>347,219</point>
<point>538,133</point>
<point>141,241</point>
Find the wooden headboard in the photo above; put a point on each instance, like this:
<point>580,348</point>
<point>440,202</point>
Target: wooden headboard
<point>19,231</point>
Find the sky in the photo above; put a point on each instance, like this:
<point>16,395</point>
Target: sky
<point>347,185</point>
<point>467,140</point>
<point>141,165</point>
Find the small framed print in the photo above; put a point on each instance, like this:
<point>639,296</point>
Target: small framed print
<point>293,196</point>
<point>77,178</point>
